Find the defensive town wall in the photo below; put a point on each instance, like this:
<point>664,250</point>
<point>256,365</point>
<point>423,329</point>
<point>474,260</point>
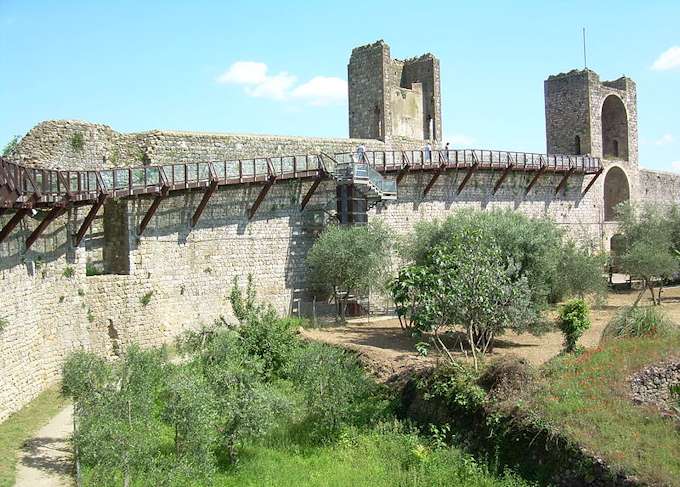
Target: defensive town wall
<point>174,277</point>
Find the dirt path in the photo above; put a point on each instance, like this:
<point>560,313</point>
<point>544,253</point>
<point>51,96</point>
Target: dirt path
<point>389,353</point>
<point>45,460</point>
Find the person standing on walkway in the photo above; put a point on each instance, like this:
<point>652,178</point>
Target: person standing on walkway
<point>427,152</point>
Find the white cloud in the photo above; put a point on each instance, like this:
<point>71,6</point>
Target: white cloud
<point>244,73</point>
<point>256,82</point>
<point>275,87</point>
<point>665,139</point>
<point>461,141</point>
<point>322,90</point>
<point>669,59</point>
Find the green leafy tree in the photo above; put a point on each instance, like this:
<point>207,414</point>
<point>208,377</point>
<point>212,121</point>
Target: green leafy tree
<point>649,250</point>
<point>346,260</point>
<point>533,249</point>
<point>9,148</point>
<point>466,282</point>
<point>573,321</point>
<point>190,407</point>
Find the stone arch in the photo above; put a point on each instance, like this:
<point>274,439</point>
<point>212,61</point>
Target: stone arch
<point>614,129</point>
<point>616,191</point>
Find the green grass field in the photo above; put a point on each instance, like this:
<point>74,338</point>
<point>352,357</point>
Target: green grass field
<point>586,398</point>
<point>21,425</point>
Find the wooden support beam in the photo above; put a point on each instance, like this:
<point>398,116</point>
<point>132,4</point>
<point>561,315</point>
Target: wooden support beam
<point>311,191</point>
<point>13,222</point>
<point>55,213</point>
<point>535,178</point>
<point>402,172</point>
<point>89,218</point>
<point>434,178</point>
<point>204,202</point>
<point>2,211</point>
<point>500,181</point>
<point>592,181</point>
<point>563,183</point>
<point>150,212</point>
<point>260,197</point>
<point>467,177</point>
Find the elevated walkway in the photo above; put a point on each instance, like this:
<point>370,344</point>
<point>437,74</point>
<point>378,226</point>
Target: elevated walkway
<point>376,174</point>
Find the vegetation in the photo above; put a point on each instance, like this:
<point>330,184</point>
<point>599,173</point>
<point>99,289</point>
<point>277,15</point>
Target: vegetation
<point>586,399</point>
<point>69,272</point>
<point>489,272</point>
<point>251,405</point>
<point>573,321</point>
<point>92,270</point>
<point>639,321</point>
<point>534,249</point>
<point>146,298</point>
<point>3,323</point>
<point>649,249</point>
<point>350,260</point>
<point>19,427</point>
<point>77,142</point>
<point>9,147</point>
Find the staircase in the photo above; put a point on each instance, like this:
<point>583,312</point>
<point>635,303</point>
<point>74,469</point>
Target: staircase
<point>365,178</point>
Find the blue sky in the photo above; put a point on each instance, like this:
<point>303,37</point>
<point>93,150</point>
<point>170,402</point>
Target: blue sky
<point>171,65</point>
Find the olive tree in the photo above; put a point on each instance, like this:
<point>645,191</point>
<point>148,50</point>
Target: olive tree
<point>346,260</point>
<point>649,251</point>
<point>465,282</point>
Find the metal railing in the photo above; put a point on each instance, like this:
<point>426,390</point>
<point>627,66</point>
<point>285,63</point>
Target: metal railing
<point>20,183</point>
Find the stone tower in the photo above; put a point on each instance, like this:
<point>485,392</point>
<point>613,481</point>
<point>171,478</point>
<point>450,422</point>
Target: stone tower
<point>390,98</point>
<point>584,115</point>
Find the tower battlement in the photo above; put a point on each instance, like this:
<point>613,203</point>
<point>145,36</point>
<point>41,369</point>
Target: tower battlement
<point>392,98</point>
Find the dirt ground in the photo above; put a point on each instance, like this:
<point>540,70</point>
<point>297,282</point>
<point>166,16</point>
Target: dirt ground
<point>390,353</point>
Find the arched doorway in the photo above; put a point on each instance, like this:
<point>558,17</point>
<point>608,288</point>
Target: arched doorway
<point>616,191</point>
<point>614,129</point>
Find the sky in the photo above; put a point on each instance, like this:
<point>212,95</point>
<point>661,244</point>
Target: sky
<point>281,67</point>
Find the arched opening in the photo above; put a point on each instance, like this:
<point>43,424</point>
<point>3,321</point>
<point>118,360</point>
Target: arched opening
<point>577,145</point>
<point>617,247</point>
<point>614,129</point>
<point>616,191</point>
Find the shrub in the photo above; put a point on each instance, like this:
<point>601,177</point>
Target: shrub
<point>14,141</point>
<point>77,142</point>
<point>190,407</point>
<point>638,321</point>
<point>506,376</point>
<point>573,321</point>
<point>347,260</point>
<point>146,298</point>
<point>457,387</point>
<point>92,270</point>
<point>270,339</point>
<point>3,324</point>
<point>336,391</point>
<point>69,272</point>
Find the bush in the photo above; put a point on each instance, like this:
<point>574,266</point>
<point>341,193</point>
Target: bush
<point>350,260</point>
<point>573,321</point>
<point>272,340</point>
<point>638,321</point>
<point>336,391</point>
<point>457,387</point>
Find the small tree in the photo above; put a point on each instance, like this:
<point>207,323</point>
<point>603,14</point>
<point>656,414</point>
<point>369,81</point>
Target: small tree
<point>648,247</point>
<point>14,141</point>
<point>466,282</point>
<point>346,260</point>
<point>573,321</point>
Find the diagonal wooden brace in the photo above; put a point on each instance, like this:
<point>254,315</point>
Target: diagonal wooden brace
<point>467,177</point>
<point>204,202</point>
<point>260,197</point>
<point>500,181</point>
<point>592,181</point>
<point>311,191</point>
<point>13,222</point>
<point>89,218</point>
<point>563,182</point>
<point>402,172</point>
<point>535,178</point>
<point>55,213</point>
<point>434,178</point>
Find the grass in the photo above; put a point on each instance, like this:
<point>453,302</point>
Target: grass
<point>20,426</point>
<point>369,458</point>
<point>586,398</point>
